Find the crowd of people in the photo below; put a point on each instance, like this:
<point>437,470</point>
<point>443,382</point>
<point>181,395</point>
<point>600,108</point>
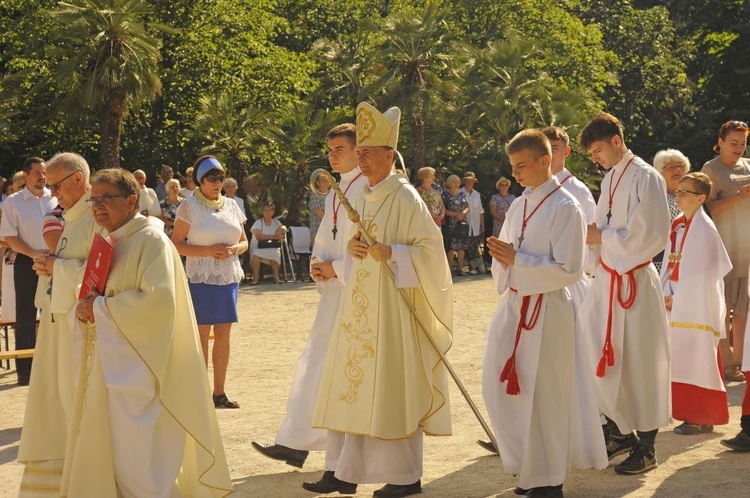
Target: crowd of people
<point>615,315</point>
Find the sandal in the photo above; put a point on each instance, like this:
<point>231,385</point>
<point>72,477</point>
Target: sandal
<point>733,374</point>
<point>223,401</point>
<point>254,282</point>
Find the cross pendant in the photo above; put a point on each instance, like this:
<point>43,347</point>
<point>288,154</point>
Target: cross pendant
<point>609,215</point>
<point>520,240</point>
<point>334,231</point>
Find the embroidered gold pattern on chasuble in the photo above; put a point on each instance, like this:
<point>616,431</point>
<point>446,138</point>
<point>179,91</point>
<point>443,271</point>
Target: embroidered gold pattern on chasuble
<point>360,338</point>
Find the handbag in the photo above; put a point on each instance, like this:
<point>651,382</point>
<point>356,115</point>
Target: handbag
<point>268,244</point>
<point>461,230</point>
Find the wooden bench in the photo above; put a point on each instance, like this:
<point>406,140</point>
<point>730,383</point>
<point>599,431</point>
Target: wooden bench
<point>18,353</point>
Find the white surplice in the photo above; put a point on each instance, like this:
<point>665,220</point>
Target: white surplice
<point>588,447</point>
<point>635,392</point>
<point>697,318</point>
<point>535,428</point>
<point>296,431</point>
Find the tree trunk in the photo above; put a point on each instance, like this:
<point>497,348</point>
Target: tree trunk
<point>110,128</point>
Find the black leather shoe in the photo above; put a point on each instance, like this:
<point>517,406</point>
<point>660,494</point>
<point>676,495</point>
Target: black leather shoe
<point>545,492</point>
<point>398,490</point>
<point>295,458</point>
<point>329,484</point>
<point>520,491</point>
<point>741,442</point>
<point>487,445</point>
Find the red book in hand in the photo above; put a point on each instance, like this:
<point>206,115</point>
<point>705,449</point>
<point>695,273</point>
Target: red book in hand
<point>97,267</point>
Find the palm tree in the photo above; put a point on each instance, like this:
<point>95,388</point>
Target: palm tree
<point>415,54</point>
<point>298,149</point>
<point>342,75</point>
<point>235,129</point>
<point>110,63</point>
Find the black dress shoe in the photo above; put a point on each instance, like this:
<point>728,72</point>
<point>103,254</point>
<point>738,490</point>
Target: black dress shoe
<point>520,491</point>
<point>329,484</point>
<point>545,492</point>
<point>487,445</point>
<point>295,458</point>
<point>741,442</point>
<point>398,490</point>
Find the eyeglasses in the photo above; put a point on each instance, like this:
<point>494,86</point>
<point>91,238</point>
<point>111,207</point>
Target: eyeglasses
<point>736,124</point>
<point>669,167</point>
<point>56,186</point>
<point>680,192</point>
<point>103,200</point>
<point>215,178</point>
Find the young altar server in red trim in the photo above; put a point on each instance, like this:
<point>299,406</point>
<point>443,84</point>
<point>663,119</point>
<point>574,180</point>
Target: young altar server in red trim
<point>623,315</point>
<point>692,276</point>
<point>529,360</point>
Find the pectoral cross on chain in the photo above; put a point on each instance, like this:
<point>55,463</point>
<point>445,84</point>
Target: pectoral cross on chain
<point>609,215</point>
<point>520,240</point>
<point>334,231</point>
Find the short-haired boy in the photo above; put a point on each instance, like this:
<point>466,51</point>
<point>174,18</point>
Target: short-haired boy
<point>695,259</point>
<point>529,360</point>
<point>623,314</point>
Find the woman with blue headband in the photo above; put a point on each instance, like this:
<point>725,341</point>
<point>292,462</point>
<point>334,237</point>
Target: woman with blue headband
<point>210,233</point>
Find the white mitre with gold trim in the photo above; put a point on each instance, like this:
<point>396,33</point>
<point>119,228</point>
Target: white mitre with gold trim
<point>375,129</point>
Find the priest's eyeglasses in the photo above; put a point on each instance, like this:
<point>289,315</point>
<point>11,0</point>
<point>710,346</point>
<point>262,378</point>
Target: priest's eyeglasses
<point>103,200</point>
<point>55,187</point>
<point>680,192</point>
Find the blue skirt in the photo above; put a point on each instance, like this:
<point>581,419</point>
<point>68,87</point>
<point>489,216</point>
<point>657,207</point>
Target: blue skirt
<point>214,303</point>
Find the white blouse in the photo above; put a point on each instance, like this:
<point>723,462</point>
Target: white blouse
<point>210,226</point>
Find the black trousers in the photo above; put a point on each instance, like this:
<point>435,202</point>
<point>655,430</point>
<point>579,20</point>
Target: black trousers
<point>25,285</point>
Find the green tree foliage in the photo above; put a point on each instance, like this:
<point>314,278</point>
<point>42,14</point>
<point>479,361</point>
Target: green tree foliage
<point>652,94</point>
<point>234,128</point>
<point>259,82</point>
<point>413,64</point>
<point>109,63</point>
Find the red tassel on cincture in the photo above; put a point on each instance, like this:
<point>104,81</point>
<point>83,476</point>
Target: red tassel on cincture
<point>513,388</point>
<point>607,359</point>
<point>507,368</point>
<point>509,373</point>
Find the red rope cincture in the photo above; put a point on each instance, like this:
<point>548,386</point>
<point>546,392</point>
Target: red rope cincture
<point>615,279</point>
<point>509,372</point>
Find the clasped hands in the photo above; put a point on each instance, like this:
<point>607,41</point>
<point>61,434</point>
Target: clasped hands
<point>322,271</point>
<point>85,308</point>
<point>360,249</point>
<point>503,252</point>
<point>44,263</point>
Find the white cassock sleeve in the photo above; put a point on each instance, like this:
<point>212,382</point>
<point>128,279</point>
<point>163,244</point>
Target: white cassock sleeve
<point>403,270</point>
<point>648,224</point>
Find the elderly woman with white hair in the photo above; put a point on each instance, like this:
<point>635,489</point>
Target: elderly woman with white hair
<point>230,192</point>
<point>456,234</point>
<point>169,205</point>
<point>673,165</point>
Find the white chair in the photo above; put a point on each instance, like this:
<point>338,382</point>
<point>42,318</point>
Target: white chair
<point>300,250</point>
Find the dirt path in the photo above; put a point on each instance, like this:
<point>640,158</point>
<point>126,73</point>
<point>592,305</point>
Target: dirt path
<point>275,322</point>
